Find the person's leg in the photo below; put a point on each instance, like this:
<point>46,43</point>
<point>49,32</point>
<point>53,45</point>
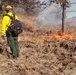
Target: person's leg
<point>11,44</point>
<point>16,45</point>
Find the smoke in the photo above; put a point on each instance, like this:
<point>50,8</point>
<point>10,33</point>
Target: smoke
<point>52,15</point>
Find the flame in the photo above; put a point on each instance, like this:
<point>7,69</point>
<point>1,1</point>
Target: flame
<point>34,18</point>
<point>26,39</point>
<point>42,18</point>
<point>56,37</point>
<point>41,39</point>
<point>59,37</point>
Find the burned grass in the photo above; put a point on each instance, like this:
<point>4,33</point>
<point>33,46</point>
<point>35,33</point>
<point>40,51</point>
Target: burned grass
<point>40,54</point>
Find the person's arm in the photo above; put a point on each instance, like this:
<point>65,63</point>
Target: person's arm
<point>5,22</point>
<point>3,28</point>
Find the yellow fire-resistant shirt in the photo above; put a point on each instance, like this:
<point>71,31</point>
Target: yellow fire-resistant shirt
<point>6,21</point>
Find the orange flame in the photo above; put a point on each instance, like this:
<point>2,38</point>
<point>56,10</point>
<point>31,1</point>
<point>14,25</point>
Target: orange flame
<point>58,37</point>
<point>41,39</point>
<point>26,39</point>
<point>43,18</point>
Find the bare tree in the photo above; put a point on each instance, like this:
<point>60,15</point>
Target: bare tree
<point>65,4</point>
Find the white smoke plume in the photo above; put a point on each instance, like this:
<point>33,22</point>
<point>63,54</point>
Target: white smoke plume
<point>52,15</point>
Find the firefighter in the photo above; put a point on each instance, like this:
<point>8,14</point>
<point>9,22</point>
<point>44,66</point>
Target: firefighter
<point>12,39</point>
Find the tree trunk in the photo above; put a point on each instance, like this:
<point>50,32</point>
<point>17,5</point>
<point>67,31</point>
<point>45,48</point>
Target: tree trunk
<point>64,18</point>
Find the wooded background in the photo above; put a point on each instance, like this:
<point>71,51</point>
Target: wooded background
<point>30,5</point>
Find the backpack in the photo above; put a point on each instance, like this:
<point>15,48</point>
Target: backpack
<point>16,26</point>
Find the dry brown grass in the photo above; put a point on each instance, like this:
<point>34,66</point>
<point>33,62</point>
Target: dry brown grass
<point>38,56</point>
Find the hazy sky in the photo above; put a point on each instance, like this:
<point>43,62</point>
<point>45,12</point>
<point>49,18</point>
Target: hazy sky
<point>52,15</point>
<point>73,7</point>
<point>41,0</point>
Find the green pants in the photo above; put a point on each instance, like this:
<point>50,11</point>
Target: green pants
<point>13,44</point>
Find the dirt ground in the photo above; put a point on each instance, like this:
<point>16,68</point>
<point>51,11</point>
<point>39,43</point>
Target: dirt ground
<point>43,51</point>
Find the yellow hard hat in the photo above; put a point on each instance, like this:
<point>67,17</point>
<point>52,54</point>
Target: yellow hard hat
<point>8,7</point>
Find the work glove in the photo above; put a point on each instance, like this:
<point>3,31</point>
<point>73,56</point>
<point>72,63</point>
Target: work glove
<point>3,37</point>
